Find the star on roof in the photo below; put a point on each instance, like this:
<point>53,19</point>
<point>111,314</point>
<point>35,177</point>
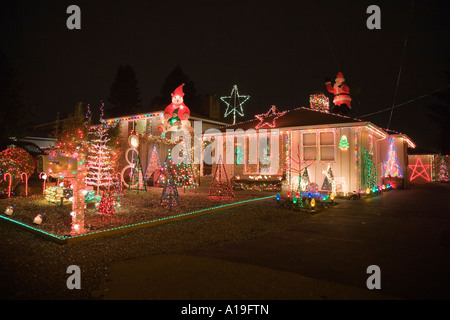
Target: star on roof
<point>234,103</point>
<point>273,112</point>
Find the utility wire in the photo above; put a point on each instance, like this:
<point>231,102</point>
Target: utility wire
<point>326,38</point>
<point>401,63</point>
<point>401,104</point>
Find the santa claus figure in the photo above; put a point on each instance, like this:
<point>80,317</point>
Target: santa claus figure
<point>342,100</point>
<point>176,114</point>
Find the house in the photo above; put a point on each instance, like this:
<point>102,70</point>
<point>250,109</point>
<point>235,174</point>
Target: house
<point>317,145</point>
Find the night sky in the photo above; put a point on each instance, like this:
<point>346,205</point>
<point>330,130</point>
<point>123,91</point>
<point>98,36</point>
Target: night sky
<point>277,52</point>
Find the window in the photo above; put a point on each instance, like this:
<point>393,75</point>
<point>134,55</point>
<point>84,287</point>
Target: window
<point>318,146</point>
<point>327,146</point>
<point>309,147</point>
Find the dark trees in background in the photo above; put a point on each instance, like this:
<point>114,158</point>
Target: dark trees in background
<point>440,113</point>
<point>124,94</point>
<point>177,77</point>
<point>15,116</point>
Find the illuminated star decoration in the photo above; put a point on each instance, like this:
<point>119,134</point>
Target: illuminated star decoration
<point>272,113</point>
<point>234,103</point>
<point>422,172</point>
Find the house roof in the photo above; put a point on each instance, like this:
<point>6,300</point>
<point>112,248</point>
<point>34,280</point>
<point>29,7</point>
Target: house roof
<point>295,118</point>
<point>306,117</point>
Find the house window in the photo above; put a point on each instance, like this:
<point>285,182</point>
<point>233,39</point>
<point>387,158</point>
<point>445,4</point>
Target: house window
<point>259,149</point>
<point>309,146</point>
<point>327,146</point>
<point>318,146</point>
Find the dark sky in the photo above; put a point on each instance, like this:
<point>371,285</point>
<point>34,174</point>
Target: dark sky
<point>276,52</point>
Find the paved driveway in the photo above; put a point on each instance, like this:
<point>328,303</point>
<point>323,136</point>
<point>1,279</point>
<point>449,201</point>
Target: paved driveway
<point>405,232</point>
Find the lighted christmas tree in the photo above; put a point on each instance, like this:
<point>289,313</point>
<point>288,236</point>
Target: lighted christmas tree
<point>184,173</point>
<point>107,205</point>
<point>391,166</point>
<point>328,181</point>
<point>220,185</point>
<point>343,143</point>
<point>443,175</point>
<point>169,196</point>
<point>368,170</point>
<point>304,180</point>
<point>137,177</point>
<point>153,164</point>
<point>98,163</point>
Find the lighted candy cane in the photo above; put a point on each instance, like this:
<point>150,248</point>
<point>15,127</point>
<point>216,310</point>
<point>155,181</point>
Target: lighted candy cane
<point>26,182</point>
<point>10,181</point>
<point>43,176</point>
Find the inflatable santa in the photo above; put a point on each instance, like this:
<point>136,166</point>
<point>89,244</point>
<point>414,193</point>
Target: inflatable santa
<point>176,114</point>
<point>342,99</point>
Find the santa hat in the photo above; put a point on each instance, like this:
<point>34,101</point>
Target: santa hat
<point>178,91</point>
<point>340,76</point>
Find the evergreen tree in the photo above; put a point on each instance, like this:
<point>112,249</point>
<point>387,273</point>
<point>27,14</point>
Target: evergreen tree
<point>15,115</point>
<point>124,93</point>
<point>175,78</point>
<point>72,136</point>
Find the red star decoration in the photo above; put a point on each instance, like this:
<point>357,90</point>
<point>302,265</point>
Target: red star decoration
<point>273,112</point>
<point>422,172</point>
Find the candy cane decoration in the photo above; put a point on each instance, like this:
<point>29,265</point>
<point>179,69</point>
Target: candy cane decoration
<point>10,181</point>
<point>43,176</point>
<point>26,182</point>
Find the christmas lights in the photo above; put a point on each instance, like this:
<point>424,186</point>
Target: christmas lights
<point>319,102</point>
<point>343,143</point>
<point>272,113</point>
<point>329,180</point>
<point>234,103</point>
<point>99,160</point>
<point>443,175</point>
<point>169,196</point>
<point>153,165</point>
<point>419,170</point>
<point>369,173</point>
<point>391,167</point>
<point>220,188</point>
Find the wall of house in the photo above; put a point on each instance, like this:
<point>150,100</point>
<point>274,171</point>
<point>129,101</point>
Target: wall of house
<point>343,165</point>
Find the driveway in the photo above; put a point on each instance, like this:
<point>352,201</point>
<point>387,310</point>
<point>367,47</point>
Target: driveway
<point>404,232</point>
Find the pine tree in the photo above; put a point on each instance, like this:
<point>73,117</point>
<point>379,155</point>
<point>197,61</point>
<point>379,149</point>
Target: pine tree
<point>72,137</point>
<point>124,93</point>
